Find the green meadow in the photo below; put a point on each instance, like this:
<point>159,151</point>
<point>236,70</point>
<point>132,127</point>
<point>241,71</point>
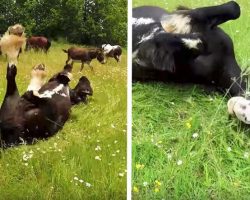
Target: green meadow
<point>87,158</point>
<point>184,144</point>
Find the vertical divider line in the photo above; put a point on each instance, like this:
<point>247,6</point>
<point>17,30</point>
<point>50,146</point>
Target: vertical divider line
<point>129,102</point>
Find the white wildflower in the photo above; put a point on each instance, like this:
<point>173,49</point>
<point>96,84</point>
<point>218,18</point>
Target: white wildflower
<point>121,174</point>
<point>98,148</point>
<point>98,158</point>
<point>88,184</point>
<point>246,155</point>
<point>145,184</point>
<point>195,135</point>
<point>169,156</point>
<point>229,149</point>
<point>179,162</point>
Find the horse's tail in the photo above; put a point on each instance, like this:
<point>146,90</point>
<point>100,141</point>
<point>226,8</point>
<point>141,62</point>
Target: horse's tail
<point>65,51</point>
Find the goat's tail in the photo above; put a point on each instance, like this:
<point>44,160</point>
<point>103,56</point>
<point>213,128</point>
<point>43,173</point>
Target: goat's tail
<point>65,51</point>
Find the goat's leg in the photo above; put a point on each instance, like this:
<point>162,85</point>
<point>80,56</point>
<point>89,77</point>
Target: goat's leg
<point>91,67</point>
<point>67,61</point>
<point>82,66</point>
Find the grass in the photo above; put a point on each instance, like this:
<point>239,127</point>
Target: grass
<point>184,145</point>
<point>64,166</point>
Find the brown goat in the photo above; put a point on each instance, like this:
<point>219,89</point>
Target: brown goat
<point>84,55</point>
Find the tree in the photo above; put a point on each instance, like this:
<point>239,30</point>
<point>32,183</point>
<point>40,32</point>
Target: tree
<point>91,22</point>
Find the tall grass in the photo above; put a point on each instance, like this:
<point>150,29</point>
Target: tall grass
<point>184,145</point>
<point>87,158</point>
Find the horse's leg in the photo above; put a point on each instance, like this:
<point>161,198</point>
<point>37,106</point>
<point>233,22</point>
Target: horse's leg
<point>11,82</point>
<point>12,95</point>
<point>116,58</point>
<point>38,76</point>
<point>119,58</point>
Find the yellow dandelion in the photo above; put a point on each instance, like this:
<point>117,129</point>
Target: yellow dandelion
<point>157,183</point>
<point>188,125</point>
<point>157,190</point>
<point>139,166</point>
<point>135,189</point>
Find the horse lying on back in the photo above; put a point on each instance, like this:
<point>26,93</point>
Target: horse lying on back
<point>186,46</point>
<point>40,112</point>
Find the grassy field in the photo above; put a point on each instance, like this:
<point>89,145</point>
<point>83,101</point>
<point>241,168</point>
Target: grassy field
<point>87,158</point>
<point>184,145</point>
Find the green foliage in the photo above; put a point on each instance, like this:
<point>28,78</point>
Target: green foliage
<point>89,22</point>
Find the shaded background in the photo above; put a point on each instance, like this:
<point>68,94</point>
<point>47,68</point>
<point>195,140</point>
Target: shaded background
<point>91,22</point>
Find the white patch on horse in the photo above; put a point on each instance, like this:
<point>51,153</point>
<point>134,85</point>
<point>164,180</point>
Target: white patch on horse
<point>107,48</point>
<point>137,60</point>
<point>140,62</point>
<point>134,54</point>
<point>149,35</point>
<point>142,21</point>
<point>35,84</point>
<point>176,23</point>
<point>50,93</point>
<point>191,43</point>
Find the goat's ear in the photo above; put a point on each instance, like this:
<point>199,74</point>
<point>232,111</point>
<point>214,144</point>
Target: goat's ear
<point>163,60</point>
